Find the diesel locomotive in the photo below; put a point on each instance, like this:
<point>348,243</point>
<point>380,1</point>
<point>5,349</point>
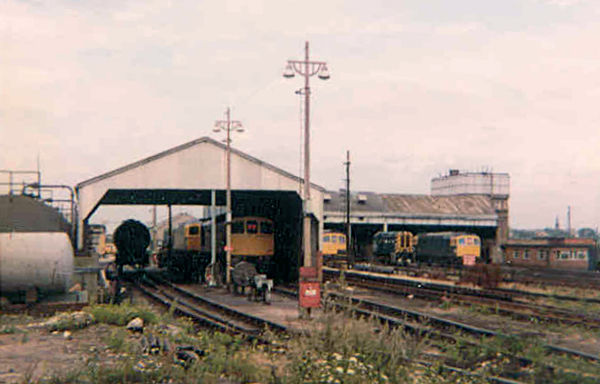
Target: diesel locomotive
<point>436,248</point>
<point>252,240</point>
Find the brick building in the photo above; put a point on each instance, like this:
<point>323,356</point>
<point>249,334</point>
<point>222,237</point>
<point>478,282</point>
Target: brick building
<point>558,253</point>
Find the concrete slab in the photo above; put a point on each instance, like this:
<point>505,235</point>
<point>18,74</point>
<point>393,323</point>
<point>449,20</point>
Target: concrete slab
<point>282,310</point>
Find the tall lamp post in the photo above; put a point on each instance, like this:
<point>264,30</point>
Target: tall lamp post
<point>228,126</point>
<point>307,69</point>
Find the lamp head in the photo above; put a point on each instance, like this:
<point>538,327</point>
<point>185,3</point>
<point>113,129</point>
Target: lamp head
<point>288,73</point>
<point>324,72</point>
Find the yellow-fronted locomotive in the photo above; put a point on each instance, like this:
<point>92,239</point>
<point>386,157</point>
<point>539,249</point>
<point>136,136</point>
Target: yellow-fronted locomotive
<point>334,248</point>
<point>252,240</point>
<point>435,248</point>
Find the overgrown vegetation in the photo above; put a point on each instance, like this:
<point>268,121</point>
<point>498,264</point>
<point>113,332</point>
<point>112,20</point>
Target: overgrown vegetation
<point>121,314</point>
<point>339,349</point>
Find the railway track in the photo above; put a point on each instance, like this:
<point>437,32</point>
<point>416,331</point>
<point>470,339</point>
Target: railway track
<point>441,329</point>
<point>215,315</point>
<point>41,309</point>
<point>501,303</point>
<point>525,276</point>
<point>205,311</point>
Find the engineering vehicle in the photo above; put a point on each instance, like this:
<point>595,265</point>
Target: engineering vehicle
<point>252,240</point>
<point>447,248</point>
<point>394,247</point>
<point>96,238</point>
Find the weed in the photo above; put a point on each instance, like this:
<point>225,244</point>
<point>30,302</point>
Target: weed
<point>345,350</point>
<point>118,341</point>
<point>121,314</point>
<point>8,329</point>
<point>29,373</point>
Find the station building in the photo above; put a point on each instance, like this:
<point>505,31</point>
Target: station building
<point>557,253</point>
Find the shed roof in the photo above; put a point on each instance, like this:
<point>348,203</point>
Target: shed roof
<point>412,204</point>
<point>187,145</point>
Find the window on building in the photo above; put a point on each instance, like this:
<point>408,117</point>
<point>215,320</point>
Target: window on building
<point>515,254</point>
<point>582,255</point>
<point>564,255</point>
<point>526,254</point>
<point>542,254</point>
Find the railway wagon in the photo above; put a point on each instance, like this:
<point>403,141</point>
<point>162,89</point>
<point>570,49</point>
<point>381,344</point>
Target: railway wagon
<point>397,247</point>
<point>334,247</point>
<point>447,248</point>
<point>252,240</point>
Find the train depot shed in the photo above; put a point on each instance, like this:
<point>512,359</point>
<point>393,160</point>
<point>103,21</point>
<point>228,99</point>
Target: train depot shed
<point>373,212</point>
<point>188,174</point>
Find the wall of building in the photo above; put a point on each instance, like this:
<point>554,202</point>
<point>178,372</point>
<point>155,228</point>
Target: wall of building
<point>565,255</point>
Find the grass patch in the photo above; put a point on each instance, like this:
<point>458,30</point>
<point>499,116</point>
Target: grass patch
<point>8,329</point>
<point>118,341</point>
<point>121,314</point>
<point>344,350</point>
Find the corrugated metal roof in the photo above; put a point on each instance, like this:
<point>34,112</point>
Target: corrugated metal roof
<point>470,205</point>
<point>373,202</point>
<point>442,205</point>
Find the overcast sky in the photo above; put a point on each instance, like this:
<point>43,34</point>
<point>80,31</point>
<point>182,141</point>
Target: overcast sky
<point>417,87</point>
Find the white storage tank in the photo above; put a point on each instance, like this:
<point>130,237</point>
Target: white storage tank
<point>36,252</point>
<point>35,260</point>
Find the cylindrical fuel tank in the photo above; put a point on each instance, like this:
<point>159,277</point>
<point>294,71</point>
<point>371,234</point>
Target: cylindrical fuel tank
<point>42,260</point>
<point>35,249</point>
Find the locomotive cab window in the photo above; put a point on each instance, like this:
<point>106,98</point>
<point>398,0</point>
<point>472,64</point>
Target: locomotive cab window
<point>194,230</point>
<point>334,239</point>
<point>476,241</point>
<point>266,227</point>
<point>251,226</point>
<point>326,239</point>
<point>237,227</point>
<point>342,240</point>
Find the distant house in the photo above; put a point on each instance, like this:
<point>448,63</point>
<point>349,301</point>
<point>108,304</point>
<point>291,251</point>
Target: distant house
<point>551,252</point>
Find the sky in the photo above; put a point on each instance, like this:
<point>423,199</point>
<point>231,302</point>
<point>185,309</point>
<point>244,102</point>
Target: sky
<point>417,87</point>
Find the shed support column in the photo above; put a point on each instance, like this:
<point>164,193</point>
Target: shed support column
<point>385,226</point>
<point>213,235</point>
<point>170,243</point>
<point>80,225</point>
